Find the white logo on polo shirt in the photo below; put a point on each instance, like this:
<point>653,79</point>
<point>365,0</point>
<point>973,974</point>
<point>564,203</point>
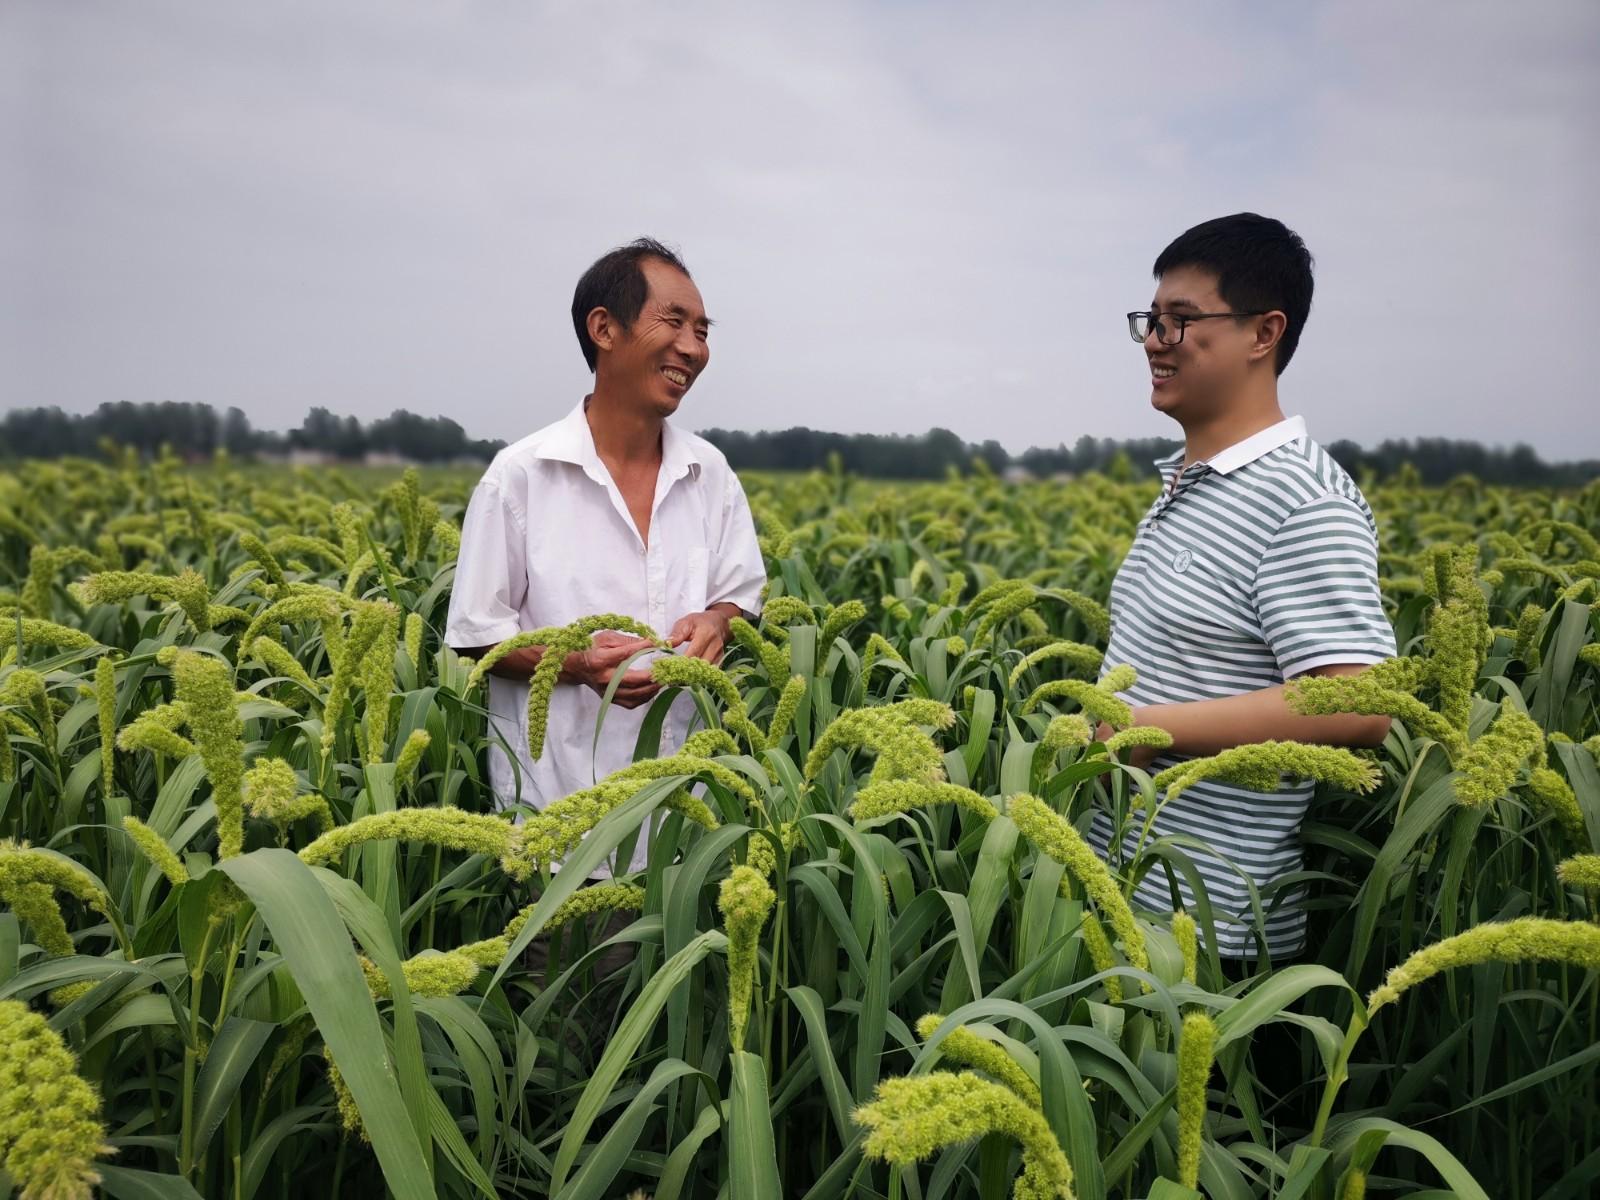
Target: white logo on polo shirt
<point>1181,561</point>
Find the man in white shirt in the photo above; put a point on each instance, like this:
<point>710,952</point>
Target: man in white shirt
<point>609,510</point>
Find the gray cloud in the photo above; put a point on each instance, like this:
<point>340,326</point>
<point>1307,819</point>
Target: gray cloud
<point>902,215</point>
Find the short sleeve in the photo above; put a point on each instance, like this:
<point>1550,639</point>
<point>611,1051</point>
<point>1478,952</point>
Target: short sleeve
<point>491,578</point>
<point>738,572</point>
<point>1316,591</point>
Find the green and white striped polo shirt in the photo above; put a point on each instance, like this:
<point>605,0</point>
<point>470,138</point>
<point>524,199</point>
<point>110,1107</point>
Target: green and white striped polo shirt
<point>1248,570</point>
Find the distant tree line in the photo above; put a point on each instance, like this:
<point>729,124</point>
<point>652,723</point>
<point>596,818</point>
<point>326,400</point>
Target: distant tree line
<point>880,456</point>
<point>934,454</point>
<point>198,430</point>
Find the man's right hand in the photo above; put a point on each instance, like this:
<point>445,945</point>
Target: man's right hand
<point>595,667</point>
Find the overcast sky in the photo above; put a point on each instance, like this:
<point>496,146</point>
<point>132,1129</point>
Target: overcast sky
<point>901,214</point>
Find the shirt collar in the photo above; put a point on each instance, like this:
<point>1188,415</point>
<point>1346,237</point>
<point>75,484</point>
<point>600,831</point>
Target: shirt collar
<point>678,455</point>
<point>1240,454</point>
<point>572,441</point>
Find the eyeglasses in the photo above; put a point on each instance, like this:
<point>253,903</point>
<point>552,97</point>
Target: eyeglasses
<point>1169,326</point>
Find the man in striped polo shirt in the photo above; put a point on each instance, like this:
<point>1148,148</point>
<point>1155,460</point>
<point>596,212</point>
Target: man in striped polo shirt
<point>1257,563</point>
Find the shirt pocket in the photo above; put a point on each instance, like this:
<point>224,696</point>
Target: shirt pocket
<point>695,581</point>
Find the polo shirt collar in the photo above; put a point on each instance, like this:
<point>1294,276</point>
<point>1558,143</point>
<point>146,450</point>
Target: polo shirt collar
<point>572,441</point>
<point>1240,454</point>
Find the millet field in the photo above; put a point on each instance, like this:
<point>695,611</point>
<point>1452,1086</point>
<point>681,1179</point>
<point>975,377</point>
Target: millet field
<point>262,933</point>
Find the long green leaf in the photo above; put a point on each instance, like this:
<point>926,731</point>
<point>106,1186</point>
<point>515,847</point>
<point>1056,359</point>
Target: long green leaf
<point>752,1156</point>
<point>233,1052</point>
<point>620,1050</point>
<point>316,946</point>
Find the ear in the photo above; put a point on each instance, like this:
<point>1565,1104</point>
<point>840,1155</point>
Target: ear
<point>1269,332</point>
<point>602,329</point>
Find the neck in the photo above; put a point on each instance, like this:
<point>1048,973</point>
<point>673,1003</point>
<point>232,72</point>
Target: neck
<point>623,433</point>
<point>1248,414</point>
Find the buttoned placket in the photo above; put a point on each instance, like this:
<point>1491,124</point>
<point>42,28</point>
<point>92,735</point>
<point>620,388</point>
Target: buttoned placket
<point>1185,479</point>
<point>655,562</point>
<point>651,558</point>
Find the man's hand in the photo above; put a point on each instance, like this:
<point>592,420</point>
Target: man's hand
<point>594,668</point>
<point>703,634</point>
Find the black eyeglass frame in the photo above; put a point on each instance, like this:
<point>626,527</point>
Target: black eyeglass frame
<point>1181,320</point>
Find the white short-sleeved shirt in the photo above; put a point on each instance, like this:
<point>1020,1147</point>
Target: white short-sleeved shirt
<point>548,539</point>
<point>1248,570</point>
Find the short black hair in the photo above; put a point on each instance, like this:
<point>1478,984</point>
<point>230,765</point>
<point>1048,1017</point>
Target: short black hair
<point>616,283</point>
<point>1261,265</point>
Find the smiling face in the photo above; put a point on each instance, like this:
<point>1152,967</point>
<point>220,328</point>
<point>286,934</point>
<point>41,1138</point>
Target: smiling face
<point>660,355</point>
<point>1196,380</point>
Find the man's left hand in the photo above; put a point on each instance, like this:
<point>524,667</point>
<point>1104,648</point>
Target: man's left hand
<point>702,634</point>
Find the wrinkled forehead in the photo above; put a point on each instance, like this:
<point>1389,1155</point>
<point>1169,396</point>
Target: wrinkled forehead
<point>670,288</point>
<point>1187,289</point>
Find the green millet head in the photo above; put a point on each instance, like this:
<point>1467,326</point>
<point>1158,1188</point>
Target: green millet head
<point>1196,1048</point>
<point>887,797</point>
<point>1262,766</point>
<point>681,671</point>
<point>1187,934</point>
<point>22,864</point>
<point>318,604</point>
<point>774,660</point>
<point>370,622</point>
<point>965,1048</point>
<point>430,974</point>
<point>1096,702</point>
<point>781,612</point>
<point>1076,656</point>
<point>105,693</point>
<point>1553,794</point>
<point>46,634</point>
<point>1010,604</point>
<point>155,849</point>
<point>405,763</point>
<point>924,712</point>
<point>1580,871</point>
<point>50,1128</point>
<point>913,1117</point>
<point>707,743</point>
<point>1139,735</point>
<point>1521,940</point>
<point>1094,615</point>
<point>1055,836</point>
<point>1492,763</point>
<point>474,833</point>
<point>878,649</point>
<point>349,1112</point>
<point>1067,730</point>
<point>744,899</point>
<point>205,689</point>
<point>1370,693</point>
<point>788,705</point>
<point>903,750</point>
<point>1118,678</point>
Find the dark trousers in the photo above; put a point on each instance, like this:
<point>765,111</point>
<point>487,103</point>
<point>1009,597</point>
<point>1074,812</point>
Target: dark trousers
<point>1283,1059</point>
<point>593,1006</point>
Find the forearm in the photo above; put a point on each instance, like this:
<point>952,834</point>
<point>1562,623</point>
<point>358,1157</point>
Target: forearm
<point>1203,727</point>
